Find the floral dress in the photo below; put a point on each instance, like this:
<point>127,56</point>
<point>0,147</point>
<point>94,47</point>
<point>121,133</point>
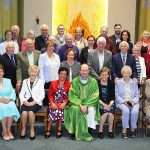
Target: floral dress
<point>58,114</point>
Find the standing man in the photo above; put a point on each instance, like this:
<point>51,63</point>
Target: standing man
<point>40,41</point>
<point>9,60</point>
<point>25,59</point>
<point>16,35</point>
<point>100,58</point>
<point>60,37</point>
<point>116,37</point>
<point>83,112</point>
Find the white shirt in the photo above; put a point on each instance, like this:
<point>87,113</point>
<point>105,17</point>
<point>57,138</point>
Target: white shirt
<point>101,59</point>
<point>49,67</point>
<point>3,48</point>
<point>30,58</point>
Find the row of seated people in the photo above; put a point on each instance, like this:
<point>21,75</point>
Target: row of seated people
<point>81,46</point>
<point>80,104</point>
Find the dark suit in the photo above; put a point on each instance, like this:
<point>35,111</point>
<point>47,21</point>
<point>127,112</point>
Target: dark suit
<point>117,65</point>
<point>93,62</point>
<point>84,55</point>
<point>9,68</point>
<point>23,64</point>
<point>40,43</point>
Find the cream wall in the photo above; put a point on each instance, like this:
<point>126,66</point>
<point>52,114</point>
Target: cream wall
<point>32,8</point>
<point>123,12</point>
<point>119,11</point>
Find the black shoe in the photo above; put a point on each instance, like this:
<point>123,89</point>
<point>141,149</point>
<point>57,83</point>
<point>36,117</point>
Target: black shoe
<point>72,136</point>
<point>90,130</point>
<point>47,135</point>
<point>59,134</point>
<point>133,134</point>
<point>22,136</point>
<point>32,138</point>
<point>100,135</point>
<point>111,135</point>
<point>125,135</point>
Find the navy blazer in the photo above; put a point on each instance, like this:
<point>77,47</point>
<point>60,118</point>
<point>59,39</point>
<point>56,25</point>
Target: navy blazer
<point>117,65</point>
<point>10,70</point>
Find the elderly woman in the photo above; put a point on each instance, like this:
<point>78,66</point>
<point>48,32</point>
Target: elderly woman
<point>127,100</point>
<point>107,97</point>
<point>72,65</point>
<point>86,50</point>
<point>31,100</point>
<point>31,35</point>
<point>125,36</point>
<point>140,64</point>
<point>8,109</point>
<point>79,40</point>
<point>58,98</point>
<point>8,38</point>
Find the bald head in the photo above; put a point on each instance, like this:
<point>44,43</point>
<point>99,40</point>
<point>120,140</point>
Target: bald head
<point>69,39</point>
<point>15,30</point>
<point>84,70</point>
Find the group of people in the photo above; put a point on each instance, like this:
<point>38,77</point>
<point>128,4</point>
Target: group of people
<point>86,80</point>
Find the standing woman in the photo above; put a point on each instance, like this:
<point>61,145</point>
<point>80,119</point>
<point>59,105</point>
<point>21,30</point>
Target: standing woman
<point>71,64</point>
<point>49,64</point>
<point>107,98</point>
<point>31,97</point>
<point>79,40</point>
<point>8,109</point>
<point>86,50</point>
<point>58,99</point>
<point>125,36</point>
<point>8,38</point>
<point>127,100</point>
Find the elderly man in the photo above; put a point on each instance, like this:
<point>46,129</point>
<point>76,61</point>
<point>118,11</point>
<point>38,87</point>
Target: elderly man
<point>25,59</point>
<point>60,37</point>
<point>123,59</point>
<point>16,35</point>
<point>109,43</point>
<point>100,58</point>
<point>83,111</point>
<point>116,36</point>
<point>8,60</point>
<point>41,40</point>
<point>69,44</point>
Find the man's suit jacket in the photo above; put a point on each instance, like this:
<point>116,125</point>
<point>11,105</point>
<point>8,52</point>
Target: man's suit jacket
<point>23,64</point>
<point>9,68</point>
<point>113,38</point>
<point>40,43</point>
<point>93,62</point>
<point>117,65</point>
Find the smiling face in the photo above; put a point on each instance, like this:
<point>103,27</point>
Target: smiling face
<point>62,75</point>
<point>70,55</point>
<point>145,35</point>
<point>125,36</point>
<point>123,46</point>
<point>10,48</point>
<point>104,76</point>
<point>117,30</point>
<point>61,30</point>
<point>84,71</point>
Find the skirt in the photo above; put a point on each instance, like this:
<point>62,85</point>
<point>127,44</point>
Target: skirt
<point>56,114</point>
<point>33,108</point>
<point>8,110</point>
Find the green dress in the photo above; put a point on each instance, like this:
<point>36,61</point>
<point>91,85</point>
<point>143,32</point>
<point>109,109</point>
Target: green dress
<point>74,119</point>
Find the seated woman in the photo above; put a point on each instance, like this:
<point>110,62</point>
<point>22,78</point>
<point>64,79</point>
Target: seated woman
<point>8,109</point>
<point>71,64</point>
<point>127,100</point>
<point>107,97</point>
<point>58,98</point>
<point>31,97</point>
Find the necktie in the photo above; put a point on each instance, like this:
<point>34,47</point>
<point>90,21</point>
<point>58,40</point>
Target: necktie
<point>124,59</point>
<point>45,38</point>
<point>12,61</point>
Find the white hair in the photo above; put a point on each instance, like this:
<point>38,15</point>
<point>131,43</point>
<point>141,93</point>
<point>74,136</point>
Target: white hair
<point>68,36</point>
<point>16,27</point>
<point>9,43</point>
<point>123,43</point>
<point>136,46</point>
<point>101,39</point>
<point>44,26</point>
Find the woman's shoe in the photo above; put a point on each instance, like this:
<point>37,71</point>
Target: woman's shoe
<point>111,135</point>
<point>100,135</point>
<point>32,138</point>
<point>22,136</point>
<point>125,135</point>
<point>59,135</point>
<point>133,134</point>
<point>47,135</point>
<point>6,138</point>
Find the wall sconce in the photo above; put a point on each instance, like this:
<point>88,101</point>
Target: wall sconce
<point>37,19</point>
